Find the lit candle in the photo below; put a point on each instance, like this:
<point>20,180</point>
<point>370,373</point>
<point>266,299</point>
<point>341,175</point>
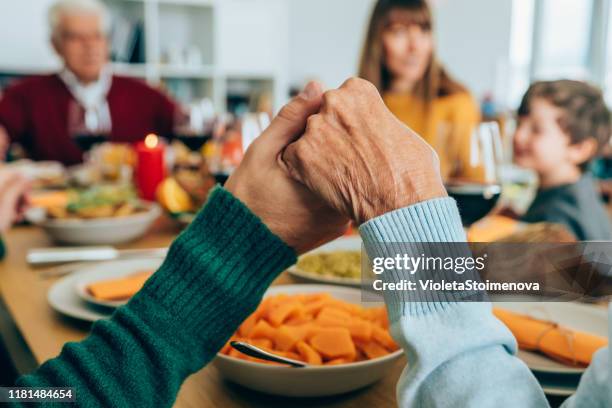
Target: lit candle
<point>150,169</point>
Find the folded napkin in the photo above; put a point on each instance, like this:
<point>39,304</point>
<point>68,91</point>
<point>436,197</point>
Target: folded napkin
<point>560,343</point>
<point>119,289</point>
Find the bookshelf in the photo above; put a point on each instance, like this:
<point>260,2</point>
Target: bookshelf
<point>218,49</point>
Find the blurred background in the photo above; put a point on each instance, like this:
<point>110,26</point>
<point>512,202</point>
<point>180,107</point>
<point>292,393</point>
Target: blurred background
<point>241,53</point>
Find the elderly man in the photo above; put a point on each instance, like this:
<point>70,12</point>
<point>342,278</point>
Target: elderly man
<point>44,114</point>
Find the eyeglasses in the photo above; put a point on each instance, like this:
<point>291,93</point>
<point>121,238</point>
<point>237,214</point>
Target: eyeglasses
<point>74,37</point>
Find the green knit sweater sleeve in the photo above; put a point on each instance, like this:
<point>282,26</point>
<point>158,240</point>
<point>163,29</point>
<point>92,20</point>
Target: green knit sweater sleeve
<point>214,276</point>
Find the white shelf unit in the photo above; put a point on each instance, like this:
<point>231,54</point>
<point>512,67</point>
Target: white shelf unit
<point>233,41</point>
<point>237,41</point>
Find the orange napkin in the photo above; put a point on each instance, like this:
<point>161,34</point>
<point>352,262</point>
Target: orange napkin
<point>560,343</point>
<point>492,228</point>
<point>119,289</point>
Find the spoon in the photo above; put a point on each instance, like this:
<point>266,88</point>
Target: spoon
<point>253,351</point>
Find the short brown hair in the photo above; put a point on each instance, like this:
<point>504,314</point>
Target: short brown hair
<point>585,114</point>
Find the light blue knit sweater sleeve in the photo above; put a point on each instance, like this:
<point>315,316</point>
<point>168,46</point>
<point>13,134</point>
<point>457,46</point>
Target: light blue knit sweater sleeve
<point>459,354</point>
<point>595,388</point>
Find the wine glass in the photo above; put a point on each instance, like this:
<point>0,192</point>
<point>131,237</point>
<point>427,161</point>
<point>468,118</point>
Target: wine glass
<point>88,127</point>
<point>253,124</point>
<point>471,170</point>
<point>196,125</point>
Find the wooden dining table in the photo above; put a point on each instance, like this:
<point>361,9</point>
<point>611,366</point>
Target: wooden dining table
<point>33,332</point>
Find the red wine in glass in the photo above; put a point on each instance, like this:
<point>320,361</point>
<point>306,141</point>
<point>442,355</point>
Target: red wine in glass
<point>86,141</point>
<point>474,200</point>
<point>478,190</point>
<point>194,141</point>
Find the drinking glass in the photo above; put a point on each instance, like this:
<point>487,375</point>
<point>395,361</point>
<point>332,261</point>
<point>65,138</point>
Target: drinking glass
<point>195,126</point>
<point>472,170</point>
<point>88,128</point>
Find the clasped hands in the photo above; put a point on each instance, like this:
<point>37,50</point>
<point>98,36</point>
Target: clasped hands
<point>332,157</point>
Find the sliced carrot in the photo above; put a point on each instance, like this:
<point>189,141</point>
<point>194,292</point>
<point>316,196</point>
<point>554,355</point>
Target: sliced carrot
<point>248,324</point>
<point>284,340</point>
<point>262,309</point>
<point>280,312</point>
<point>262,329</point>
<point>308,354</point>
<point>336,361</point>
<point>298,316</point>
<point>383,337</point>
<point>298,320</point>
<point>333,343</point>
<point>290,354</point>
<point>360,329</point>
<point>313,308</point>
<point>262,343</point>
<point>342,305</point>
<point>330,317</point>
<point>379,316</point>
<point>372,349</point>
<point>300,332</point>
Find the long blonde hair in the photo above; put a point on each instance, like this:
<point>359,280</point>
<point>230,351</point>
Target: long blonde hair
<point>436,82</point>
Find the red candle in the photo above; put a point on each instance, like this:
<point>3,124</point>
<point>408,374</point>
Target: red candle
<point>150,168</point>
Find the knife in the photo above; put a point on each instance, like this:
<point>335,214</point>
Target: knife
<point>40,256</point>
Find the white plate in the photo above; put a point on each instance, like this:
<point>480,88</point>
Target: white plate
<point>558,390</point>
<point>588,318</point>
<point>111,270</point>
<point>311,381</point>
<point>340,244</point>
<point>63,297</point>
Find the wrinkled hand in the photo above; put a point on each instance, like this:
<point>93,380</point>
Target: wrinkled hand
<point>299,217</point>
<point>13,198</point>
<point>360,159</point>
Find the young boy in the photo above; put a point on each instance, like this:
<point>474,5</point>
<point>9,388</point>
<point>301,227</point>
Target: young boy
<point>562,126</point>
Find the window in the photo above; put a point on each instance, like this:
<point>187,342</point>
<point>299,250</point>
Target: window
<point>568,39</point>
<point>518,73</point>
<point>608,48</point>
<point>562,39</point>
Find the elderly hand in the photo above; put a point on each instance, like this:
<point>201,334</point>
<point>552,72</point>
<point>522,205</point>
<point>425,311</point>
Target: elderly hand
<point>360,159</point>
<point>13,191</point>
<point>288,208</point>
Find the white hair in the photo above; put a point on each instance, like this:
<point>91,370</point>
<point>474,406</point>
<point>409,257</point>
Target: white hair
<point>63,7</point>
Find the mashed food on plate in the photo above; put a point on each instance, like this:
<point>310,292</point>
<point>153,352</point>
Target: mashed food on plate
<point>342,264</point>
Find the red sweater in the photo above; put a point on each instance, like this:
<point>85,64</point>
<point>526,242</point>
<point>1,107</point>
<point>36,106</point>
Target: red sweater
<point>35,114</point>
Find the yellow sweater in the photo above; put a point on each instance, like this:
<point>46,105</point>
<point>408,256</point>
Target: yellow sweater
<point>447,127</point>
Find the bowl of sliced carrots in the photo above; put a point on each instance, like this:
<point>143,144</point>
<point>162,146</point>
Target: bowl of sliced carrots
<point>345,343</point>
